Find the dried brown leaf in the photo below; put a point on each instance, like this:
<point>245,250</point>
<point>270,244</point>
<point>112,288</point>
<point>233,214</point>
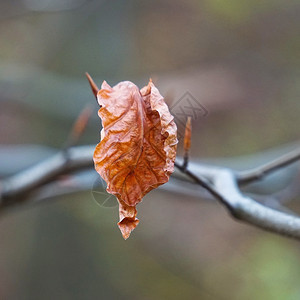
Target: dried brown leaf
<point>138,145</point>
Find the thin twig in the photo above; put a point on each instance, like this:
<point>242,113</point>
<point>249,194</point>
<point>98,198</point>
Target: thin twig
<point>258,173</point>
<point>202,182</point>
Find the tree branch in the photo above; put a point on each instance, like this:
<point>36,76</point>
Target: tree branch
<point>17,187</point>
<point>221,182</point>
<point>248,176</point>
<point>245,209</point>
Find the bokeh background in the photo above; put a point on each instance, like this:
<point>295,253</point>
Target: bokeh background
<point>238,58</point>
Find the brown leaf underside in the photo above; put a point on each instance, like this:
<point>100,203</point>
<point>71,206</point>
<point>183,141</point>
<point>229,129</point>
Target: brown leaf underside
<point>138,145</point>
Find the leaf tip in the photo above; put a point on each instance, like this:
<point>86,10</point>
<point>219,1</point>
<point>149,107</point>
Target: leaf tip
<point>126,226</point>
<point>105,85</point>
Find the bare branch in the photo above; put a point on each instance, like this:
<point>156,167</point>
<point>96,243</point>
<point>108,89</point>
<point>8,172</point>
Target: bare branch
<point>221,182</point>
<point>224,187</point>
<point>261,171</point>
<point>252,212</point>
<point>16,187</point>
<point>204,183</point>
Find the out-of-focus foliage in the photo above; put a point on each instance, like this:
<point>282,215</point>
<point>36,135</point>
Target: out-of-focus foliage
<point>239,59</point>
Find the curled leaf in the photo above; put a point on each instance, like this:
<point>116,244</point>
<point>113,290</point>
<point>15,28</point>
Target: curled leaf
<point>138,145</point>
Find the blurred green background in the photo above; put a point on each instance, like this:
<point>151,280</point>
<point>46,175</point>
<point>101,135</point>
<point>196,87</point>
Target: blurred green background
<point>239,59</point>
